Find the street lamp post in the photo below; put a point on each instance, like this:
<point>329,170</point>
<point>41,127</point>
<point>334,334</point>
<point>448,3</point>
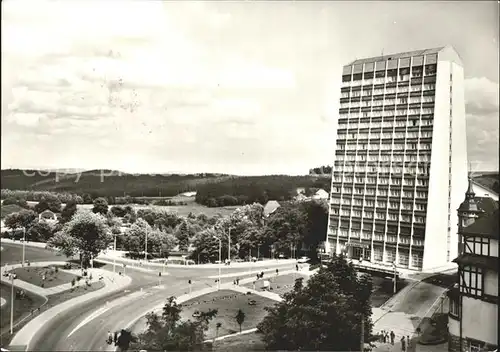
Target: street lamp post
<point>114,255</point>
<point>146,247</point>
<point>395,276</point>
<point>229,246</point>
<point>11,303</point>
<point>24,245</point>
<point>220,263</point>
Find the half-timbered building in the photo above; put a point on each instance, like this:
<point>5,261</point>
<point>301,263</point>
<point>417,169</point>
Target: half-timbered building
<point>473,315</point>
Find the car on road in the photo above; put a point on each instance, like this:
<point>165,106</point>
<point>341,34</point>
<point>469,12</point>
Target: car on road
<point>303,260</point>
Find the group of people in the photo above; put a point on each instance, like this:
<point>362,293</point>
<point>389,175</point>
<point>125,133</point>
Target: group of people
<point>112,338</point>
<point>389,337</point>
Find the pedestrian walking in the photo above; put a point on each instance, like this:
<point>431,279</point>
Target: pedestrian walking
<point>408,342</point>
<point>384,336</point>
<point>237,281</point>
<point>392,337</point>
<point>403,344</point>
<point>296,267</point>
<point>115,337</point>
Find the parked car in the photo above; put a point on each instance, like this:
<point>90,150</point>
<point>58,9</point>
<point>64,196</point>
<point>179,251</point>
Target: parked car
<point>303,260</point>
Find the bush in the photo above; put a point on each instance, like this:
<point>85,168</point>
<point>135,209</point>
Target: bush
<point>436,332</point>
<point>314,266</point>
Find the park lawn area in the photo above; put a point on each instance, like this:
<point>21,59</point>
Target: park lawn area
<point>279,284</point>
<point>79,290</point>
<point>182,210</point>
<point>34,275</point>
<point>243,343</point>
<point>227,303</point>
<point>22,307</point>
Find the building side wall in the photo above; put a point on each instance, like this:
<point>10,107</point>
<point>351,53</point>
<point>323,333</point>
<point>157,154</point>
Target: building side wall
<point>435,245</point>
<point>493,248</point>
<point>479,320</point>
<point>491,283</point>
<point>459,163</point>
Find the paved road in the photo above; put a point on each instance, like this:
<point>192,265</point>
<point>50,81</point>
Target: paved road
<point>122,307</point>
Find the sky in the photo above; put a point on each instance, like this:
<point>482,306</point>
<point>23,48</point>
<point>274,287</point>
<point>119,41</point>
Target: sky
<point>243,88</point>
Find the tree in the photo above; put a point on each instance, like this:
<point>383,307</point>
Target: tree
<point>169,333</point>
<point>316,213</point>
<point>23,218</point>
<point>68,211</point>
<point>100,206</point>
<point>325,315</point>
<point>240,318</point>
<point>118,211</point>
<point>40,232</point>
<point>41,206</point>
<point>125,338</point>
<point>206,246</point>
<point>86,233</point>
<point>183,232</point>
<point>285,227</point>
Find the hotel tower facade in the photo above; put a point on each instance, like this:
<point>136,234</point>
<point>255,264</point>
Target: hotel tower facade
<point>400,164</point>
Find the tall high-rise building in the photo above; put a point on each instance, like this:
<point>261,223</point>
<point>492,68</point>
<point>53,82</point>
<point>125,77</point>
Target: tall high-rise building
<point>400,164</point>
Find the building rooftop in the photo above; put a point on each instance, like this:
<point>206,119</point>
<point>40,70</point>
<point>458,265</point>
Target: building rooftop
<point>397,56</point>
<point>485,226</point>
<point>477,260</point>
<point>270,207</point>
<point>486,204</point>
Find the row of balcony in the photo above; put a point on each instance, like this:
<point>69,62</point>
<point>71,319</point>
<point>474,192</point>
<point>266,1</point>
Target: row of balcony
<point>402,240</point>
<point>415,78</point>
<point>368,91</point>
<point>395,193</point>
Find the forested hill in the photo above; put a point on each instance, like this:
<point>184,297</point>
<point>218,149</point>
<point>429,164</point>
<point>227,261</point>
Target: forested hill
<point>224,189</point>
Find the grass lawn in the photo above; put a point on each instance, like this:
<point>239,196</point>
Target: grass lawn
<point>279,284</point>
<point>22,307</point>
<point>227,303</point>
<point>34,275</point>
<point>74,292</point>
<point>182,210</point>
<point>243,343</point>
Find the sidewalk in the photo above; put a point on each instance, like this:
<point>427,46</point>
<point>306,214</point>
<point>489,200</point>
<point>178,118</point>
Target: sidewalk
<point>44,292</point>
<point>113,283</point>
<point>253,273</point>
<point>28,243</point>
<point>110,255</point>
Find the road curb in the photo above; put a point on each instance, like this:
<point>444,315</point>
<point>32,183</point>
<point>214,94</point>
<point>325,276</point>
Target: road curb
<point>24,336</point>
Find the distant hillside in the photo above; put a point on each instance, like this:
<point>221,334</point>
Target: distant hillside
<point>105,183</point>
<point>489,179</point>
<point>236,190</point>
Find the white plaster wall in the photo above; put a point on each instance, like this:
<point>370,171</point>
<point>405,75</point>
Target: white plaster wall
<point>453,327</point>
<point>491,283</point>
<point>459,162</point>
<point>493,248</point>
<point>435,245</point>
<point>479,320</point>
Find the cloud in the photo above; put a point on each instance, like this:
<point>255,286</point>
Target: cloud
<point>482,109</point>
<point>481,96</point>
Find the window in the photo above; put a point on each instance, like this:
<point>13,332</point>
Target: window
<point>416,260</point>
<point>475,346</point>
<point>477,245</point>
<point>454,308</point>
<point>471,281</point>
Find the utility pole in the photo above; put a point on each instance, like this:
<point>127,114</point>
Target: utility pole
<point>11,304</point>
